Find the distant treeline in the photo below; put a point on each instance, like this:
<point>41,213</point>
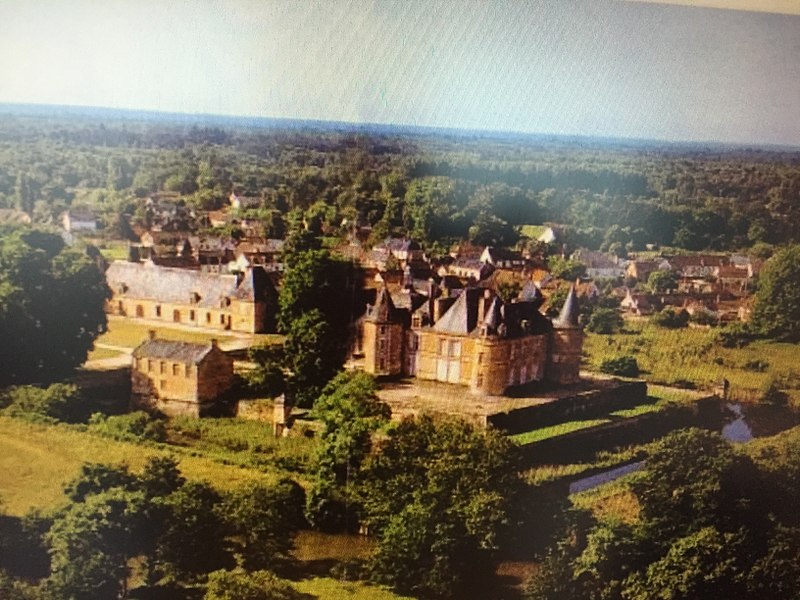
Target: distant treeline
<point>436,186</point>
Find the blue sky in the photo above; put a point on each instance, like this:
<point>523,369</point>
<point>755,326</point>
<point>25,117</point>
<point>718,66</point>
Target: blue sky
<point>586,67</point>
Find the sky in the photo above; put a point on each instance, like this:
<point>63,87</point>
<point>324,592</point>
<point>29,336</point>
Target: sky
<point>575,67</point>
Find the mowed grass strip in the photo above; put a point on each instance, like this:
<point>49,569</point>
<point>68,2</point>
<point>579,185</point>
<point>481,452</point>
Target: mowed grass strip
<point>130,334</point>
<point>327,587</point>
<point>36,460</point>
<point>537,435</point>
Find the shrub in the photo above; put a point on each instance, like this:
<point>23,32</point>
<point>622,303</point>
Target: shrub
<point>624,366</point>
<point>772,394</point>
<point>135,426</point>
<point>735,335</point>
<point>56,402</point>
<point>703,317</point>
<point>671,319</point>
<point>756,365</point>
<point>605,321</point>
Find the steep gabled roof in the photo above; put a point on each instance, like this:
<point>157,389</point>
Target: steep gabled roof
<point>183,352</point>
<point>383,311</point>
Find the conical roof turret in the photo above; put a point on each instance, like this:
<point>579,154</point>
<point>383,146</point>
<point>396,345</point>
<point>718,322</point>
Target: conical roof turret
<point>568,317</point>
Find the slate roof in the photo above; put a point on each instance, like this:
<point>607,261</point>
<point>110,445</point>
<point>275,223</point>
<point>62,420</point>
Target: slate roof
<point>183,352</point>
<point>167,284</point>
<point>383,310</point>
<point>568,317</point>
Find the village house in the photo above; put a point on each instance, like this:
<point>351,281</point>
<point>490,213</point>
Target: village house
<point>244,202</point>
<point>244,302</point>
<point>79,220</point>
<point>468,269</point>
<point>599,264</point>
<point>501,258</point>
<point>13,216</point>
<point>474,339</point>
<point>266,253</point>
<point>179,378</point>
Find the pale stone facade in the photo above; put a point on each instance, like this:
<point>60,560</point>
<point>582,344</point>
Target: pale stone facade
<point>179,378</point>
<point>243,302</point>
<point>475,340</point>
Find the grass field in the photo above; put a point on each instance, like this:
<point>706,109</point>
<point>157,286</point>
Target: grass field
<point>327,588</point>
<point>100,353</point>
<point>537,435</point>
<point>612,501</point>
<point>129,334</point>
<point>36,461</point>
<point>691,355</point>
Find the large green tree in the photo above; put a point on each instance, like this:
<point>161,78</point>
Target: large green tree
<point>438,494</point>
<point>776,311</point>
<point>51,306</point>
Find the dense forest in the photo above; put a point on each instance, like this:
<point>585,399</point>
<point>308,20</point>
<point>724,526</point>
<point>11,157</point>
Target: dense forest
<point>435,186</point>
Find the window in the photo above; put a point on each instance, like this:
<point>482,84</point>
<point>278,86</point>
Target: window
<point>208,317</point>
<point>158,311</point>
<point>120,306</point>
<point>191,315</point>
<point>443,347</point>
<point>222,319</point>
<point>149,366</point>
<point>188,370</point>
<point>162,384</point>
<point>176,316</point>
<point>162,367</point>
<point>382,329</point>
<point>176,369</point>
<point>382,344</point>
<point>140,311</point>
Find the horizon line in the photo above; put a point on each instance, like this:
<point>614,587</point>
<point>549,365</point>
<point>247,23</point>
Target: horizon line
<point>412,127</point>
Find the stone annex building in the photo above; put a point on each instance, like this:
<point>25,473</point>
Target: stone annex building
<point>179,378</point>
<point>475,340</point>
<point>243,301</point>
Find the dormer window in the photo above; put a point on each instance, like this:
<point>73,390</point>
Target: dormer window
<point>194,298</point>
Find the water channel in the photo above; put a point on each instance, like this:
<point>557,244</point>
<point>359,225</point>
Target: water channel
<point>738,423</point>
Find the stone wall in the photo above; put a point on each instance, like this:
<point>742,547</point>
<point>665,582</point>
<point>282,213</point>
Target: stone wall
<point>588,404</point>
<point>564,362</point>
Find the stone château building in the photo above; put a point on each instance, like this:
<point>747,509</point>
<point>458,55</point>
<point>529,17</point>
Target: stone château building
<point>179,378</point>
<point>475,339</point>
<point>245,301</point>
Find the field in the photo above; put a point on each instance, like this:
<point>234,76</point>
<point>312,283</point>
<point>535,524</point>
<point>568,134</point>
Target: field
<point>332,589</point>
<point>129,334</point>
<point>691,355</point>
<point>36,460</point>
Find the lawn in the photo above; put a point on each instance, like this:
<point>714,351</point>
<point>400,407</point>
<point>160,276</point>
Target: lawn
<point>114,250</point>
<point>129,334</point>
<point>537,435</point>
<point>691,355</point>
<point>331,589</point>
<point>100,353</point>
<point>612,501</point>
<point>36,460</point>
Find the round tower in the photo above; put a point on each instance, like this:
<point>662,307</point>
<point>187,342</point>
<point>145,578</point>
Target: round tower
<point>566,344</point>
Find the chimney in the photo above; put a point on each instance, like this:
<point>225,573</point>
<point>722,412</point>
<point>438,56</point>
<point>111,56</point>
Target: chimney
<point>133,254</point>
<point>151,334</point>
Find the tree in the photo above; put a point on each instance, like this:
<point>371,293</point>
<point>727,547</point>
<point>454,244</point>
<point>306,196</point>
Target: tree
<point>92,542</point>
<point>661,281</point>
<point>671,318</point>
<point>704,564</point>
<point>51,304</point>
<point>565,268</point>
<point>263,519</point>
<point>351,412</point>
<point>438,495</point>
<point>190,532</point>
<point>605,321</point>
<point>689,483</point>
<point>256,585</point>
<point>776,308</point>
